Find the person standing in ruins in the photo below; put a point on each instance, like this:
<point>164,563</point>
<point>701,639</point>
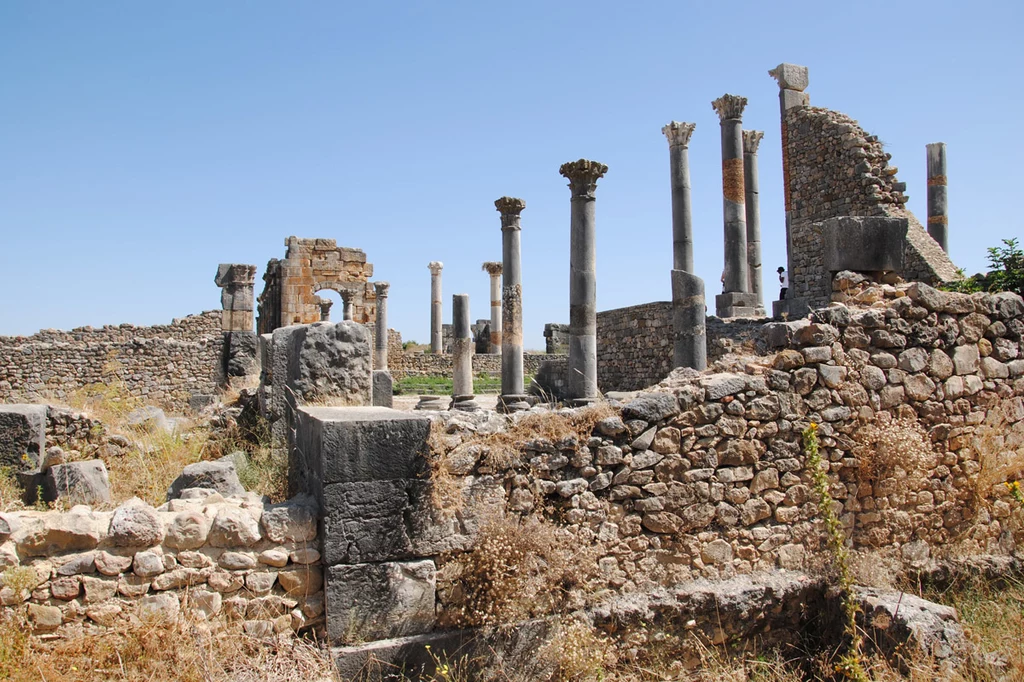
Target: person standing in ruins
<point>783,283</point>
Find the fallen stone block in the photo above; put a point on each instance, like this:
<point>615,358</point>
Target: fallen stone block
<point>379,601</point>
<point>220,476</point>
<point>22,435</point>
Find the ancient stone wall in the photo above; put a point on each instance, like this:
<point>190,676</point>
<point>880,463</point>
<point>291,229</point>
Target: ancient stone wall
<point>226,558</point>
<point>162,364</point>
<point>833,169</point>
<point>429,364</point>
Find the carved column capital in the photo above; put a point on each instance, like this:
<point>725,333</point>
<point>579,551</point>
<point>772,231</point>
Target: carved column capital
<point>583,176</point>
<point>752,140</point>
<point>729,106</point>
<point>678,134</point>
<point>492,268</point>
<point>381,288</point>
<point>509,206</point>
<point>435,267</point>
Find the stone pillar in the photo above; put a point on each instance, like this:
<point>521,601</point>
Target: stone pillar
<point>236,298</point>
<point>494,270</point>
<point>513,398</point>
<point>792,81</point>
<point>938,216</point>
<point>678,135</point>
<point>325,308</point>
<point>751,141</point>
<point>583,176</point>
<point>689,321</point>
<point>346,305</point>
<point>435,305</point>
<point>735,300</point>
<point>462,352</point>
<point>380,349</point>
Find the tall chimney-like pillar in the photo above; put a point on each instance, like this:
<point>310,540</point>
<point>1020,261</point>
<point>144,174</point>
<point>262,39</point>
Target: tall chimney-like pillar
<point>938,216</point>
<point>583,176</point>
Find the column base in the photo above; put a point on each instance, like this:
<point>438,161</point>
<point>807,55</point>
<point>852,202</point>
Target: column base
<point>790,308</point>
<point>464,403</point>
<point>736,304</point>
<point>430,402</point>
<point>513,402</point>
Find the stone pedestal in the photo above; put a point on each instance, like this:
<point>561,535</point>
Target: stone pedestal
<point>436,336</point>
<point>512,375</point>
<point>938,211</point>
<point>736,305</point>
<point>690,347</point>
<point>494,269</point>
<point>583,176</point>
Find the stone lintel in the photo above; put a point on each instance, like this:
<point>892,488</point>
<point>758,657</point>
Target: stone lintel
<point>790,77</point>
<point>864,244</point>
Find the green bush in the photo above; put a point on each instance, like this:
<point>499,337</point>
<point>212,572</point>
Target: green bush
<point>1006,274</point>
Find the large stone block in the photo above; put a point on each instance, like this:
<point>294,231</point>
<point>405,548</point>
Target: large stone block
<point>242,357</point>
<point>22,435</point>
<point>344,445</point>
<point>379,601</point>
<point>864,244</point>
<point>383,388</point>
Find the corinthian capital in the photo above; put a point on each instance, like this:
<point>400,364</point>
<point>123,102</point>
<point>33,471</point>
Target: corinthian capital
<point>492,268</point>
<point>435,267</point>
<point>752,140</point>
<point>583,176</point>
<point>678,134</point>
<point>509,206</point>
<point>730,106</point>
<point>382,289</point>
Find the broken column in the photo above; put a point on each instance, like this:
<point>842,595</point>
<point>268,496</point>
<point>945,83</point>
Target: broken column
<point>512,398</point>
<point>346,305</point>
<point>493,269</point>
<point>325,308</point>
<point>938,217</point>
<point>678,135</point>
<point>734,300</point>
<point>236,281</point>
<point>462,352</point>
<point>751,141</point>
<point>383,387</point>
<point>688,305</point>
<point>435,305</point>
<point>583,176</point>
<point>793,80</point>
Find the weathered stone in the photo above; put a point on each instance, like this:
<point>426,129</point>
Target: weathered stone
<point>188,530</point>
<point>377,601</point>
<point>205,603</point>
<point>302,581</point>
<point>98,589</point>
<point>77,483</point>
<point>260,582</point>
<point>219,476</point>
<point>135,524</point>
<point>159,608</point>
<point>278,558</point>
<point>662,522</point>
<point>233,527</point>
<point>290,521</point>
<point>754,510</point>
<point>45,618</point>
<point>651,407</point>
<point>719,386</point>
<point>147,564</point>
<point>832,375</point>
<point>77,530</point>
<point>918,387</point>
<point>237,561</point>
<point>22,435</point>
<point>966,359</point>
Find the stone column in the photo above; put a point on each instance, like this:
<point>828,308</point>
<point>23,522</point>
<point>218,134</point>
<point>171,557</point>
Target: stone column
<point>236,282</point>
<point>582,381</point>
<point>678,135</point>
<point>380,330</point>
<point>793,80</point>
<point>462,352</point>
<point>513,397</point>
<point>325,308</point>
<point>435,305</point>
<point>751,141</point>
<point>734,300</point>
<point>346,305</point>
<point>938,216</point>
<point>494,270</point>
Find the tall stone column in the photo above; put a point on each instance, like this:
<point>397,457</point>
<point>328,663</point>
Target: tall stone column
<point>752,201</point>
<point>678,135</point>
<point>493,269</point>
<point>513,397</point>
<point>688,303</point>
<point>236,298</point>
<point>462,352</point>
<point>735,300</point>
<point>938,216</point>
<point>792,80</point>
<point>346,306</point>
<point>435,305</point>
<point>380,330</point>
<point>582,381</point>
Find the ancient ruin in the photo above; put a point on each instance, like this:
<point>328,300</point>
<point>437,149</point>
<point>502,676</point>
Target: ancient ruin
<point>681,470</point>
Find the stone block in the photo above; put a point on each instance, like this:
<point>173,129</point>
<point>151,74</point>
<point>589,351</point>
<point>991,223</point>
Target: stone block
<point>236,320</point>
<point>736,304</point>
<point>379,601</point>
<point>220,476</point>
<point>791,76</point>
<point>864,244</point>
<point>77,483</point>
<point>235,273</point>
<point>22,434</point>
<point>241,350</point>
<point>345,445</point>
<point>383,388</point>
<point>791,98</point>
<point>790,308</point>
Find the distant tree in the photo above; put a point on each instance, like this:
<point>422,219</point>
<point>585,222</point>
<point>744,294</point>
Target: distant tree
<point>1006,274</point>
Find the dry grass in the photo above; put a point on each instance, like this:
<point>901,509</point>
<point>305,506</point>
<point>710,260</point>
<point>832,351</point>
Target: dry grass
<point>887,445</point>
<point>187,652</point>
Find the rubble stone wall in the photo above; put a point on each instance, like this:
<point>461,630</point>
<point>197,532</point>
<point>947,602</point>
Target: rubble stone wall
<point>236,558</point>
<point>163,364</point>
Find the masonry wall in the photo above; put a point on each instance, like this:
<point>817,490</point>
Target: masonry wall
<point>163,364</point>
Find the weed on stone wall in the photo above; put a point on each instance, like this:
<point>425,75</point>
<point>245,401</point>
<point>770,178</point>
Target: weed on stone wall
<point>887,445</point>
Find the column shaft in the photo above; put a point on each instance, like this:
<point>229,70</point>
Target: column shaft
<point>495,269</point>
<point>582,379</point>
<point>435,306</point>
<point>751,141</point>
<point>678,135</point>
<point>938,215</point>
<point>380,330</point>
<point>462,347</point>
<point>512,379</point>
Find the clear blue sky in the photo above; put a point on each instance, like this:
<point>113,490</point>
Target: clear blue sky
<point>141,144</point>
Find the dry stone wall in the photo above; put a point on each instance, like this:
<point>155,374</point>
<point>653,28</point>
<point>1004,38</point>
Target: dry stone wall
<point>162,364</point>
<point>234,558</point>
